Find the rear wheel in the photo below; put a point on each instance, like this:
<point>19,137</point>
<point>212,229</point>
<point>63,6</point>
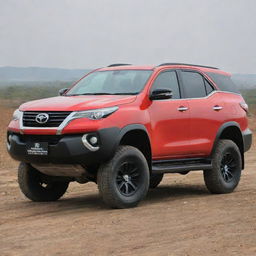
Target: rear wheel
<point>227,166</point>
<point>155,180</point>
<point>38,187</point>
<point>123,181</point>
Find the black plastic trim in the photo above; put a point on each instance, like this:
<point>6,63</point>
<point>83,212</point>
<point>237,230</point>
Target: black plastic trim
<point>69,149</point>
<point>247,138</point>
<point>245,135</point>
<point>181,165</point>
<point>132,127</point>
<point>221,129</point>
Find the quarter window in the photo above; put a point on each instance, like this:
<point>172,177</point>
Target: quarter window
<point>208,87</point>
<point>168,80</point>
<point>224,82</point>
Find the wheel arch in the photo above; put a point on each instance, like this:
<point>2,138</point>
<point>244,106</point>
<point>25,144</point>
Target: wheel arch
<point>136,135</point>
<point>231,131</point>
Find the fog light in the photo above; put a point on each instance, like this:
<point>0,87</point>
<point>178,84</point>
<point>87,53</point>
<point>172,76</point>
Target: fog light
<point>10,138</point>
<point>90,142</point>
<point>93,140</point>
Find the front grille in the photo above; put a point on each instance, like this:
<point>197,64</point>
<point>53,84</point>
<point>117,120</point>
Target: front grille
<point>55,118</point>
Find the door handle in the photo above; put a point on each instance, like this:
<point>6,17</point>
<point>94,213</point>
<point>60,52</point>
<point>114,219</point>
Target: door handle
<point>182,108</point>
<point>217,108</point>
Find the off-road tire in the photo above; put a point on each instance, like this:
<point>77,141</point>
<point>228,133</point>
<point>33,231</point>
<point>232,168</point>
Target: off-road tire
<point>219,180</point>
<point>155,180</point>
<point>111,178</point>
<point>34,188</point>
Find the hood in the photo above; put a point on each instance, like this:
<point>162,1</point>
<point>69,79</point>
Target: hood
<point>77,103</point>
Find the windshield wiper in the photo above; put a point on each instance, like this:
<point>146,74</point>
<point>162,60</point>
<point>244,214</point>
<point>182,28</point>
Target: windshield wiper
<point>88,94</point>
<point>97,93</point>
<point>125,93</point>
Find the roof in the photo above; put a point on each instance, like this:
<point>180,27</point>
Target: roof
<point>164,66</point>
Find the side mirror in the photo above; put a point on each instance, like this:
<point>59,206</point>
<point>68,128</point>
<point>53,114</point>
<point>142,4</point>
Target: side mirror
<point>63,91</point>
<point>161,94</point>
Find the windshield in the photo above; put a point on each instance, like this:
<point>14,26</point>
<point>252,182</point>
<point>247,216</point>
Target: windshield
<point>111,82</point>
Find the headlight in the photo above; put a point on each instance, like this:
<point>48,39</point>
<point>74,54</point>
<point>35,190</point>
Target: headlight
<point>16,115</point>
<point>95,114</point>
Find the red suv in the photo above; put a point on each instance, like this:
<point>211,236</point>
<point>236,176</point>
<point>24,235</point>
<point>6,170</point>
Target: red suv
<point>124,126</point>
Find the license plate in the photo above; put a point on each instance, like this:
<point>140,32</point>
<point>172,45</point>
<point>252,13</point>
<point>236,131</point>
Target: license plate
<point>37,148</point>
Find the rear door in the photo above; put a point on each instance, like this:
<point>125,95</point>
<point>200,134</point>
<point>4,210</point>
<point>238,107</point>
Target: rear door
<point>206,111</point>
<point>169,119</point>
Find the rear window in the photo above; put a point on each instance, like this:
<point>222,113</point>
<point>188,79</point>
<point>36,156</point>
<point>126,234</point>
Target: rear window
<point>223,82</point>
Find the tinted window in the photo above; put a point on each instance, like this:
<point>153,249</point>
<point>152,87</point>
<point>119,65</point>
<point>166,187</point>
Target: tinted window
<point>112,82</point>
<point>168,80</point>
<point>209,88</point>
<point>193,85</point>
<point>223,82</point>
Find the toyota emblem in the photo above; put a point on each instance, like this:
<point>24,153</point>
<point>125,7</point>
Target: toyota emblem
<point>42,118</point>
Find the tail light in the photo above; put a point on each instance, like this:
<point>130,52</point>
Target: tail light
<point>244,106</point>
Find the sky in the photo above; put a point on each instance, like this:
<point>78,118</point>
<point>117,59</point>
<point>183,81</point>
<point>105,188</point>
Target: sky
<point>95,33</point>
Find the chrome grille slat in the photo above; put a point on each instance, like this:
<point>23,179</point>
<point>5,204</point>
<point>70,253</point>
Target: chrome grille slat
<point>55,118</point>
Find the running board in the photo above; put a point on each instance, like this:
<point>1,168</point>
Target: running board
<point>182,165</point>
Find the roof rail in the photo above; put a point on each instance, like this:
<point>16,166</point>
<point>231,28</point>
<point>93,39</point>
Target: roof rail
<point>118,64</point>
<point>174,64</point>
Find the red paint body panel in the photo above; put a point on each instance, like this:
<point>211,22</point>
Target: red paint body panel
<point>169,129</point>
<point>172,134</point>
<point>76,103</point>
<point>204,123</point>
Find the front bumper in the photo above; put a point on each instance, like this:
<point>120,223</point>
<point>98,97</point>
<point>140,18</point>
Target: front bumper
<point>247,138</point>
<point>66,149</point>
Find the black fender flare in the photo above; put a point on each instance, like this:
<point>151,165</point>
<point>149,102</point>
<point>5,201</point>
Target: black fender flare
<point>132,127</point>
<point>221,129</point>
<point>137,127</point>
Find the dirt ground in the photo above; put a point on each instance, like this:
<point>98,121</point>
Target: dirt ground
<point>180,217</point>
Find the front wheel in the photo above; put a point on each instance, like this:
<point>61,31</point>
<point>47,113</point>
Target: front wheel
<point>38,187</point>
<point>124,181</point>
<point>227,166</point>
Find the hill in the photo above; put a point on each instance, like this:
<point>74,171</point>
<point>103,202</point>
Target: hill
<point>30,74</point>
<point>245,81</point>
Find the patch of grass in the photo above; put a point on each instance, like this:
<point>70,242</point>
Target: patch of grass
<point>19,93</point>
<point>250,96</point>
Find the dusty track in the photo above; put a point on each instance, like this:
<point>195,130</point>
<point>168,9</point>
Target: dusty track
<point>178,218</point>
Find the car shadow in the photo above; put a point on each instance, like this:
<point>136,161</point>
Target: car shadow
<point>176,192</point>
<point>93,202</point>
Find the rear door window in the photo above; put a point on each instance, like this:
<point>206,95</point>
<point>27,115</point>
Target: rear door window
<point>193,84</point>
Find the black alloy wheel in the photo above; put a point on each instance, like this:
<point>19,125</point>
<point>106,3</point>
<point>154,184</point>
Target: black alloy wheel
<point>128,178</point>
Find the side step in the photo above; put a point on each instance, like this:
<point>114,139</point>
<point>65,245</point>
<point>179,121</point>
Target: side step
<point>181,165</point>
